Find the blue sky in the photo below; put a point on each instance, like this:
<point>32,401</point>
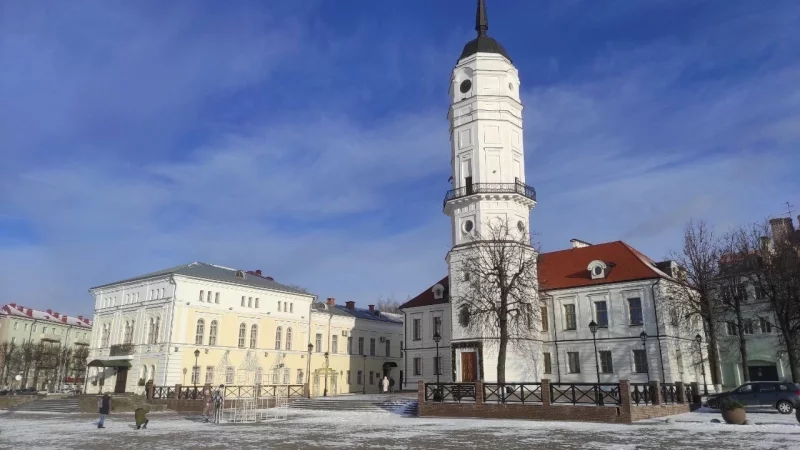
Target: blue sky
<point>309,139</point>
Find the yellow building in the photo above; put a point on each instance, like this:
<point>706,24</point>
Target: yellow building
<point>201,323</point>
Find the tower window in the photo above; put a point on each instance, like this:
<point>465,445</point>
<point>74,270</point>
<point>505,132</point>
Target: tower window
<point>468,226</point>
<point>466,85</point>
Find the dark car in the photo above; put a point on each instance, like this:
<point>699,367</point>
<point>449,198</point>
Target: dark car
<point>783,396</point>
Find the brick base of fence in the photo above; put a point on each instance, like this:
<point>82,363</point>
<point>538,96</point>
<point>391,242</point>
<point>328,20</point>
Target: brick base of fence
<point>625,412</point>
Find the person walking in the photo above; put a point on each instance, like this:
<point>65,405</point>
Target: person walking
<point>391,385</point>
<point>219,400</point>
<point>208,404</point>
<point>385,384</point>
<point>104,405</point>
<point>141,419</point>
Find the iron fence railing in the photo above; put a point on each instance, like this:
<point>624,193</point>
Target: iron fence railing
<point>449,392</point>
<point>121,350</point>
<point>512,392</point>
<point>669,394</point>
<point>163,392</point>
<point>229,392</point>
<point>641,394</point>
<point>591,393</point>
<point>689,395</point>
<point>491,188</point>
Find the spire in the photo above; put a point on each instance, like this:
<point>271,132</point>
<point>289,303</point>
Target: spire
<point>481,22</point>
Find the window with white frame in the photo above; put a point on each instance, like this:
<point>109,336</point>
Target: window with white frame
<point>573,362</point>
<point>765,326</point>
<point>372,347</point>
<point>635,316</point>
<point>570,321</point>
<point>334,344</point>
<point>548,365</point>
<point>359,377</point>
<point>748,326</point>
<point>278,338</point>
<point>437,325</point>
<point>242,334</point>
<point>601,314</point>
<point>200,331</point>
<point>730,327</point>
<point>361,346</point>
<point>195,374</point>
<point>216,298</point>
<point>417,329</point>
<point>318,347</point>
<point>418,366</point>
<point>606,365</point>
<point>253,335</point>
<point>545,326</point>
<point>230,375</point>
<point>289,338</point>
<point>256,305</point>
<point>640,361</point>
<point>243,300</point>
<point>212,333</point>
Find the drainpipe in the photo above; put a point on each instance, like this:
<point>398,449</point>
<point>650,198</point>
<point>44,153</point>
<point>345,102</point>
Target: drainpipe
<point>552,308</point>
<point>171,323</point>
<point>658,333</point>
<point>308,355</point>
<point>404,350</point>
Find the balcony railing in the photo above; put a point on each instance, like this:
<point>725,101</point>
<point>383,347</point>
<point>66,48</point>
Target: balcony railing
<point>121,350</point>
<point>491,188</point>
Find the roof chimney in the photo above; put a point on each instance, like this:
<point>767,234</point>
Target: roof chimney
<point>270,278</point>
<point>29,313</point>
<point>13,305</point>
<point>577,243</point>
<point>80,318</point>
<point>331,301</point>
<point>258,272</point>
<point>782,228</point>
<point>350,305</point>
<point>49,311</point>
<point>64,319</point>
<point>372,308</point>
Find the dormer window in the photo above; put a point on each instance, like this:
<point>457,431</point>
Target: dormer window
<point>598,269</point>
<point>438,292</point>
<point>240,274</point>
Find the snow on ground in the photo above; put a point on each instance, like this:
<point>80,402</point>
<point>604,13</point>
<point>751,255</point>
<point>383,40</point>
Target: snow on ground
<point>317,429</point>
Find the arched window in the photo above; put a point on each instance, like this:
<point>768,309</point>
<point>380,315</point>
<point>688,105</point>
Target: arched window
<point>289,338</point>
<point>105,335</point>
<point>229,375</point>
<point>150,329</point>
<point>253,336</point>
<point>278,335</point>
<point>242,332</point>
<point>212,333</point>
<point>201,329</point>
<point>152,373</point>
<point>155,333</point>
<point>143,373</point>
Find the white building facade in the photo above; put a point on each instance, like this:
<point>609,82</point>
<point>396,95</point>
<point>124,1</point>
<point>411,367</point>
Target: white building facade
<point>425,317</point>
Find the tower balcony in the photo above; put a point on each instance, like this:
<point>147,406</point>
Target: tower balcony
<point>499,189</point>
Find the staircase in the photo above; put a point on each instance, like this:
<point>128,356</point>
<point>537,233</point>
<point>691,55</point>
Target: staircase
<point>54,405</point>
<point>402,406</point>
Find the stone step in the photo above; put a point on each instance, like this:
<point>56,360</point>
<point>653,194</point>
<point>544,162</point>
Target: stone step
<point>51,405</point>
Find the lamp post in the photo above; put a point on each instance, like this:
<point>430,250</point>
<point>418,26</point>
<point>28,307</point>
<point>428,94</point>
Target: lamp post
<point>437,338</point>
<point>699,340</point>
<point>308,369</point>
<point>643,337</point>
<point>364,375</point>
<point>598,394</point>
<point>196,370</point>
<point>325,393</point>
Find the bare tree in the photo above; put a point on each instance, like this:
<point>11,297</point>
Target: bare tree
<point>775,273</point>
<point>7,354</point>
<point>498,295</point>
<point>699,260</point>
<point>388,304</point>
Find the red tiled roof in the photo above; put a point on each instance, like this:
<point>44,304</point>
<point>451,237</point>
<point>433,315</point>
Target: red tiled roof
<point>566,269</point>
<point>426,297</point>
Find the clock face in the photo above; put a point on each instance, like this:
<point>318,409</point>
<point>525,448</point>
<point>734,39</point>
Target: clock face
<point>466,85</point>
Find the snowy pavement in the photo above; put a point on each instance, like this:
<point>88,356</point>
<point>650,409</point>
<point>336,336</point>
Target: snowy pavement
<point>312,430</point>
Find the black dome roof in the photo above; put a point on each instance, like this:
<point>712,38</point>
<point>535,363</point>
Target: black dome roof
<point>483,43</point>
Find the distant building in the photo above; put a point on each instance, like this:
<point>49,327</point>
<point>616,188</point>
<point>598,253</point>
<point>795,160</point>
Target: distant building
<point>46,349</point>
<point>245,327</point>
<point>612,284</point>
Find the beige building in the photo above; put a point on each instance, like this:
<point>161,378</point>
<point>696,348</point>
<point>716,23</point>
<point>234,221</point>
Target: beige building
<point>46,349</point>
<point>202,323</point>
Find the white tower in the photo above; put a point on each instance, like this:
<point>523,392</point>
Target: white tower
<point>488,179</point>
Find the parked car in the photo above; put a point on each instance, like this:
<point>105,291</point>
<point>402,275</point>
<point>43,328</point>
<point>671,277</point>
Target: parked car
<point>783,396</point>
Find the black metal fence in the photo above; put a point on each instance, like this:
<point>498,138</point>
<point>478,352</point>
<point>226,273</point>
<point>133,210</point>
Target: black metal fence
<point>585,393</point>
<point>491,188</point>
<point>163,392</point>
<point>669,394</point>
<point>641,394</point>
<point>450,392</point>
<point>229,392</point>
<point>512,392</point>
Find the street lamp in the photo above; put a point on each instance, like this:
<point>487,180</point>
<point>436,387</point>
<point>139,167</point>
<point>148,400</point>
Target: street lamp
<point>437,338</point>
<point>196,371</point>
<point>308,369</point>
<point>325,394</point>
<point>699,340</point>
<point>598,394</point>
<point>643,337</point>
<point>364,375</point>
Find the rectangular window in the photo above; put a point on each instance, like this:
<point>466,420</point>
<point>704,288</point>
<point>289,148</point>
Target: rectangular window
<point>361,346</point>
<point>569,317</point>
<point>349,380</point>
<point>437,326</point>
<point>731,328</point>
<point>639,361</point>
<point>359,377</point>
<point>350,345</point>
<point>388,348</point>
<point>230,375</point>
<point>371,377</point>
<point>216,298</point>
<point>605,362</point>
<point>548,365</point>
<point>372,347</point>
<point>417,329</point>
<point>195,374</point>
<point>765,326</point>
<point>208,299</point>
<point>601,314</point>
<point>319,342</point>
<point>243,300</point>
<point>300,379</point>
<point>210,374</point>
<point>334,344</point>
<point>249,302</point>
<point>635,311</point>
<point>437,365</point>
<point>256,305</point>
<point>418,366</point>
<point>545,323</point>
<point>573,362</point>
<point>291,307</point>
<point>202,295</point>
<point>748,327</point>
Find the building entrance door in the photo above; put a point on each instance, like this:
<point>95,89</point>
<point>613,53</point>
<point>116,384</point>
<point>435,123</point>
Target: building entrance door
<point>469,367</point>
<point>122,380</point>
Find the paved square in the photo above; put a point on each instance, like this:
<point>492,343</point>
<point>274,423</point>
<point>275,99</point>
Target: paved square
<point>317,430</point>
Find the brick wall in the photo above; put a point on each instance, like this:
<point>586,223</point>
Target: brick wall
<point>624,413</point>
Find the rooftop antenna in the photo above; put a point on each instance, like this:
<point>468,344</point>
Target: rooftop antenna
<point>789,210</point>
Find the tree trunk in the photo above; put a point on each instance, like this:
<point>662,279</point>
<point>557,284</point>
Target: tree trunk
<point>713,355</point>
<point>501,352</point>
<point>742,342</point>
<point>791,352</point>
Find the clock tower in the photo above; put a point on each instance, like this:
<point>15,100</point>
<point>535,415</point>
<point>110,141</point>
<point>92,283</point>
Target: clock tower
<point>488,180</point>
